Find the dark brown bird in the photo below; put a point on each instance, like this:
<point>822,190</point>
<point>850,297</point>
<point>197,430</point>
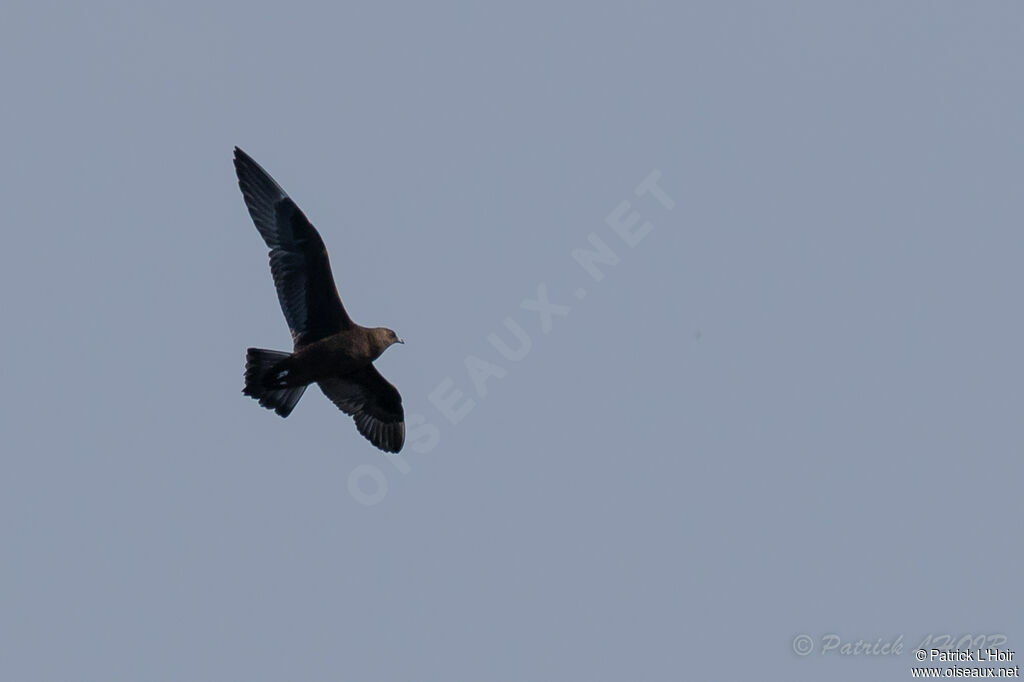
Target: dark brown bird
<point>330,349</point>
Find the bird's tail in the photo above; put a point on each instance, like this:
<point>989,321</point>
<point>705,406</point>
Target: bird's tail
<point>260,381</point>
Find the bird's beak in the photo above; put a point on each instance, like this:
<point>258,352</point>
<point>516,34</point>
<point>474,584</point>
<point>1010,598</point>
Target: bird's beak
<point>401,340</point>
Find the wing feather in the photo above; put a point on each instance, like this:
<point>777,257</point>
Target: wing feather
<point>375,405</point>
<point>298,258</point>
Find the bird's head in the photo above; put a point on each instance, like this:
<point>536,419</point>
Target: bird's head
<point>385,338</point>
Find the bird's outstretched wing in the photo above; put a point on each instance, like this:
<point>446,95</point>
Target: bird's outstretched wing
<point>373,402</point>
<point>298,257</point>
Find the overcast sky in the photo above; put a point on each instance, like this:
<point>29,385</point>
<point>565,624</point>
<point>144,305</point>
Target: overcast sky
<point>713,334</point>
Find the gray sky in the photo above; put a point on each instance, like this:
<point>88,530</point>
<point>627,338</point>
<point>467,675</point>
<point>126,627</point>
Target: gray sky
<point>792,407</point>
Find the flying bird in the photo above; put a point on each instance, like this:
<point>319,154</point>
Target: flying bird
<point>329,348</point>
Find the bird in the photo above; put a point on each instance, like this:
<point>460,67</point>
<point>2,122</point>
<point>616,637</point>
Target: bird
<point>330,349</point>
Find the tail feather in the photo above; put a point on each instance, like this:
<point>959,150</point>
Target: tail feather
<point>258,365</point>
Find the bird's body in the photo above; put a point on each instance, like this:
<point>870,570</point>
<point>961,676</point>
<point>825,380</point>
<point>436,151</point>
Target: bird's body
<point>334,356</point>
<point>329,348</point>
